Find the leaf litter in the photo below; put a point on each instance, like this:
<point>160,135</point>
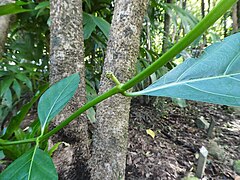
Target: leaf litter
<point>173,152</point>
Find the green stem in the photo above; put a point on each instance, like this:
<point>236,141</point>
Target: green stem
<point>7,143</point>
<point>90,104</point>
<point>202,26</point>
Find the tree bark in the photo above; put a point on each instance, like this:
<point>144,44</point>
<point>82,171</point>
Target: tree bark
<point>67,57</point>
<point>5,22</point>
<point>235,18</point>
<point>238,13</point>
<point>111,134</point>
<point>166,30</point>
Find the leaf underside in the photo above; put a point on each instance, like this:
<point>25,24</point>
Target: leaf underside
<point>213,78</point>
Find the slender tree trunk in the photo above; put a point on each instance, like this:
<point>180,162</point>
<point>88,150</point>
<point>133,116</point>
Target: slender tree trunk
<point>166,29</point>
<point>209,6</point>
<point>235,18</point>
<point>4,26</point>
<point>184,4</point>
<point>111,134</point>
<point>238,13</point>
<point>67,57</point>
<point>225,25</point>
<point>203,15</point>
<point>203,8</point>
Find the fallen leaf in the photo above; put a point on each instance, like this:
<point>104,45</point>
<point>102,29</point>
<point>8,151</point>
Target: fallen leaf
<point>151,133</point>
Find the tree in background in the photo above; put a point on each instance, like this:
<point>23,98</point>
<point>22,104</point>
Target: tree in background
<point>4,24</point>
<point>67,57</point>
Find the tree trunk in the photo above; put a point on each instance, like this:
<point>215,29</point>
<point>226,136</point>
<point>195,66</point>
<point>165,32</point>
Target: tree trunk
<point>203,8</point>
<point>166,30</point>
<point>238,13</point>
<point>235,18</point>
<point>4,26</point>
<point>67,57</point>
<point>110,137</point>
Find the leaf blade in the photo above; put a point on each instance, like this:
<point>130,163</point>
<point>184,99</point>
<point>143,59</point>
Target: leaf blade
<point>214,77</point>
<point>34,164</point>
<point>55,98</point>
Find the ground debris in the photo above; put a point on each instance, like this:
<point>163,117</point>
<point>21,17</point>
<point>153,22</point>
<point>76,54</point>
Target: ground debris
<point>172,153</point>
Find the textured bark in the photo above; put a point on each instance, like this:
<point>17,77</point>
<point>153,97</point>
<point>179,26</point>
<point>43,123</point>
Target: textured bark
<point>67,57</point>
<point>5,22</point>
<point>238,13</point>
<point>111,134</point>
<point>166,29</point>
<point>235,18</point>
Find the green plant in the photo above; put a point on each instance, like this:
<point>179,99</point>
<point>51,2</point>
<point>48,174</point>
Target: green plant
<point>53,100</point>
<point>24,66</point>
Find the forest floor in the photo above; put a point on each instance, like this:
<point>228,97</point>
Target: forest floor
<point>173,152</point>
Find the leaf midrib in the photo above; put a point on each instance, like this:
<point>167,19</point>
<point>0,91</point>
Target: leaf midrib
<point>186,82</point>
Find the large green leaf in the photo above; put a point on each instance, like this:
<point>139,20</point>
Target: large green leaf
<point>34,164</point>
<point>55,98</point>
<point>214,77</point>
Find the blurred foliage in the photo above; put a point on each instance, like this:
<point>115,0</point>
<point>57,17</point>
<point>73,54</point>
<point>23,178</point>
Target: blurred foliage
<point>24,64</point>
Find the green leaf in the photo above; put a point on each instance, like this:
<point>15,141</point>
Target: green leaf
<point>5,84</point>
<point>34,164</point>
<point>25,79</point>
<point>55,98</point>
<point>7,98</point>
<point>16,120</point>
<point>17,88</point>
<point>41,5</point>
<point>102,24</point>
<point>14,8</point>
<point>2,156</point>
<point>89,25</point>
<point>91,115</point>
<point>213,78</point>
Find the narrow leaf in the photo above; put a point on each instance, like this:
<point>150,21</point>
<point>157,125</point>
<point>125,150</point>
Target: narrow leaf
<point>25,79</point>
<point>17,88</point>
<point>89,25</point>
<point>213,78</point>
<point>55,98</point>
<point>7,98</point>
<point>5,84</point>
<point>34,164</point>
<point>102,24</point>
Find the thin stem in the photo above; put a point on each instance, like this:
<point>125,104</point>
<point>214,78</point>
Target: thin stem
<point>7,143</point>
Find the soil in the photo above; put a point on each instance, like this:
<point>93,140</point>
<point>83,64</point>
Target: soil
<point>173,153</point>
